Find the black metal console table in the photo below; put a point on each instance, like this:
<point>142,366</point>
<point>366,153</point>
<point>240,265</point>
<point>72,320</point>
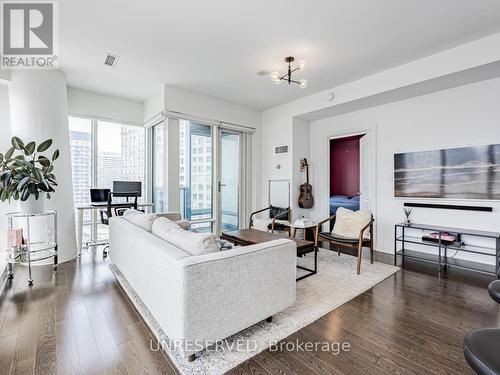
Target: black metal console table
<point>404,234</point>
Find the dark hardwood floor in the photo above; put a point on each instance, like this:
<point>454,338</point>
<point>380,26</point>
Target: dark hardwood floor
<point>411,323</point>
<point>77,321</point>
<point>74,321</point>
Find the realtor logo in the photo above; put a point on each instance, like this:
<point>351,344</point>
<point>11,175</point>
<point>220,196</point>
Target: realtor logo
<point>29,34</point>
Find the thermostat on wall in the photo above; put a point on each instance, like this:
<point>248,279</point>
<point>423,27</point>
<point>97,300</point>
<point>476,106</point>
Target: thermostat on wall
<point>280,150</point>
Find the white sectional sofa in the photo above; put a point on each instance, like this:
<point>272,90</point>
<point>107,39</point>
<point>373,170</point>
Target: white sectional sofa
<point>197,299</point>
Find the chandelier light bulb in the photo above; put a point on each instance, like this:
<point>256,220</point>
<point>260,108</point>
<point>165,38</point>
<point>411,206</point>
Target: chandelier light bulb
<point>303,83</point>
<point>276,78</point>
<point>301,65</point>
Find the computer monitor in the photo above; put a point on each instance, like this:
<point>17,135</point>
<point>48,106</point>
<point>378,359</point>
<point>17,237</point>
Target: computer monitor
<point>127,187</point>
<point>99,195</point>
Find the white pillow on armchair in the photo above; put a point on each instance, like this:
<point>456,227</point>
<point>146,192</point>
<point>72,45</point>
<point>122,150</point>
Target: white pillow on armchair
<point>261,224</point>
<point>349,223</point>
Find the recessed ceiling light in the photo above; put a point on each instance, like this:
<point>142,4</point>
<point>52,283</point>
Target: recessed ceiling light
<point>263,73</point>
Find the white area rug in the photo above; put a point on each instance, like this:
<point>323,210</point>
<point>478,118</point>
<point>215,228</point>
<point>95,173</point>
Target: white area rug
<point>335,284</point>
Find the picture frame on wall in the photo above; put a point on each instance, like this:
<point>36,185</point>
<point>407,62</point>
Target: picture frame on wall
<point>471,172</point>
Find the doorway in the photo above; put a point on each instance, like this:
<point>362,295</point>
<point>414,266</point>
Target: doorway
<point>349,173</point>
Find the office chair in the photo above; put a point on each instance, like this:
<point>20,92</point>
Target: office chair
<point>481,345</point>
<point>116,209</point>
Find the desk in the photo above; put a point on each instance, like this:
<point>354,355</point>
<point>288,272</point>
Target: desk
<point>81,209</point>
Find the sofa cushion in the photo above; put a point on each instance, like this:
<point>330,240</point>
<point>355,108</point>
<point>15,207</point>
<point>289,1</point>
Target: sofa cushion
<point>139,218</point>
<point>191,242</point>
<point>349,223</point>
<point>176,218</point>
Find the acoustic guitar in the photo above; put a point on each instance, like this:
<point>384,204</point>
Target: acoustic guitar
<point>306,199</point>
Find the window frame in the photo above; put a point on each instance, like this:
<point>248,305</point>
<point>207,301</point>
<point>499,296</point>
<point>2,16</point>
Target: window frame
<point>94,131</point>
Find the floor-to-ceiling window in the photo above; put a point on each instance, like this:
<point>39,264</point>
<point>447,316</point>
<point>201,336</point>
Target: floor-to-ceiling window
<point>120,154</point>
<point>103,152</point>
<point>80,135</point>
<point>209,183</point>
<point>196,174</point>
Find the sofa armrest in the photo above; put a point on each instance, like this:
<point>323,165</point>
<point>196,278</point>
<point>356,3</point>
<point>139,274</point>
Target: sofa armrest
<point>228,291</point>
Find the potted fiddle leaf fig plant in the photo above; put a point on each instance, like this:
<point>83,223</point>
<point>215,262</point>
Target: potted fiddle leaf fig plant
<point>26,175</point>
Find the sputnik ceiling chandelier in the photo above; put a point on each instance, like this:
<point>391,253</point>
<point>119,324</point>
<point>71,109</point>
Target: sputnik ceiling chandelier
<point>278,78</point>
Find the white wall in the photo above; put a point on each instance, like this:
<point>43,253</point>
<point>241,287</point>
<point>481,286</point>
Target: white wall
<point>300,150</point>
<point>91,104</point>
<point>462,116</point>
<point>154,104</point>
<point>277,130</point>
<point>209,107</point>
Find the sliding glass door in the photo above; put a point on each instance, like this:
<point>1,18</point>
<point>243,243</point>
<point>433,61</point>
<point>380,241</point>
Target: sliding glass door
<point>229,180</point>
<point>210,173</point>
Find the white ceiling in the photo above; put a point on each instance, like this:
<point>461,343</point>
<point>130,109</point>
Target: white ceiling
<point>216,47</point>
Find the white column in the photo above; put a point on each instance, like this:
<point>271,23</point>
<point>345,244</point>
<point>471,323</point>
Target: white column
<point>5,207</point>
<point>39,110</point>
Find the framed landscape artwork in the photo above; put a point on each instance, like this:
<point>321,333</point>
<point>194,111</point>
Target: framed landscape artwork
<point>455,173</point>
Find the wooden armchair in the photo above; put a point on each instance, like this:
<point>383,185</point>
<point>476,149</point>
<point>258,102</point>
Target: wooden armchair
<point>351,243</point>
<point>275,213</point>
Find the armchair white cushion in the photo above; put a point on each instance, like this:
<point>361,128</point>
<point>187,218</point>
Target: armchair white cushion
<point>263,223</point>
<point>349,223</point>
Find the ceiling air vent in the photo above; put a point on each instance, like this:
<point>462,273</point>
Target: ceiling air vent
<point>110,60</point>
<point>280,150</point>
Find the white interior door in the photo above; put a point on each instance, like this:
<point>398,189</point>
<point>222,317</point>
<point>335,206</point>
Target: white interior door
<point>364,171</point>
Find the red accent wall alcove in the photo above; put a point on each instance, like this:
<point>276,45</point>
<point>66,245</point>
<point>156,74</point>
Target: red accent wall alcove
<point>344,166</point>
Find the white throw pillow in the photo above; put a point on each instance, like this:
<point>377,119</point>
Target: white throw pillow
<point>191,242</point>
<point>142,220</point>
<point>348,223</point>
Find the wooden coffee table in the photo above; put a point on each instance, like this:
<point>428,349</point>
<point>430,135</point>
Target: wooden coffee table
<point>246,237</point>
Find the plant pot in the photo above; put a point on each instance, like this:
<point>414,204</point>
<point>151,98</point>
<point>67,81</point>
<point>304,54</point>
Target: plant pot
<point>33,205</point>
